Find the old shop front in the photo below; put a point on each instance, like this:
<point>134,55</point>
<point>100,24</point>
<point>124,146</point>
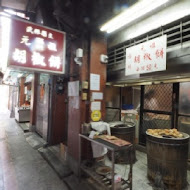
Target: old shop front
<point>169,85</point>
<point>36,57</point>
<point>147,82</point>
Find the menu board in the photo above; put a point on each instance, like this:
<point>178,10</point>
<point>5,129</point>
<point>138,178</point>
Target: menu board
<point>146,57</point>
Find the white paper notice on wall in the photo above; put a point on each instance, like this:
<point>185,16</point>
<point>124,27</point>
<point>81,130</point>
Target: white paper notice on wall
<point>25,90</point>
<point>95,106</point>
<point>146,57</point>
<point>94,82</point>
<point>74,102</point>
<point>97,95</point>
<point>73,88</point>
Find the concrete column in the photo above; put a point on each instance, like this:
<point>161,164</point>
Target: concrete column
<point>90,64</point>
<point>33,102</point>
<point>98,47</point>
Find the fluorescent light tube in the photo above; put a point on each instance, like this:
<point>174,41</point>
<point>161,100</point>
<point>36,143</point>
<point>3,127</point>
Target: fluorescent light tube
<point>131,14</point>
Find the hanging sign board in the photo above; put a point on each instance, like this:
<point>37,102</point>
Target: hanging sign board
<point>37,48</point>
<point>146,57</point>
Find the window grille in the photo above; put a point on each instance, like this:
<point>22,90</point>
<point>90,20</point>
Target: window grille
<point>177,32</point>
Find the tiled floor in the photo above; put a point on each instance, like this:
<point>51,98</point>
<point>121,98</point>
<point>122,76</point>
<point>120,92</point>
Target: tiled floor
<point>140,181</point>
<point>22,167</point>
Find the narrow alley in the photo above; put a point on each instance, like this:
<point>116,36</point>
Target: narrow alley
<point>22,167</point>
<point>94,95</point>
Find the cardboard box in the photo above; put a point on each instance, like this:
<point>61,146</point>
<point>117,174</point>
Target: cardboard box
<point>63,151</point>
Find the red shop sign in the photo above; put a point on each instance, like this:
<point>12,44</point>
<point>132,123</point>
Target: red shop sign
<point>35,47</point>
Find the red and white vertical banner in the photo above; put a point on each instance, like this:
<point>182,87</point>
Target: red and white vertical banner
<point>36,48</point>
<point>146,57</point>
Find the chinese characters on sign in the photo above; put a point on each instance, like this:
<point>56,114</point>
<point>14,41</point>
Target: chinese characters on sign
<point>146,57</point>
<point>36,47</point>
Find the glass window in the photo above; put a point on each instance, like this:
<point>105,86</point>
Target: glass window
<point>184,98</point>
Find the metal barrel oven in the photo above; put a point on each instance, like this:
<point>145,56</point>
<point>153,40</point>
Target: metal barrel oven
<point>126,132</point>
<point>167,160</point>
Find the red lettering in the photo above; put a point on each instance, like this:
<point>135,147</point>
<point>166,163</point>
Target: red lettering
<point>147,56</point>
<point>137,59</point>
<point>155,66</point>
<point>137,69</point>
<point>153,45</point>
<point>129,56</point>
<point>142,68</point>
<point>129,66</point>
<point>160,53</point>
<point>149,67</point>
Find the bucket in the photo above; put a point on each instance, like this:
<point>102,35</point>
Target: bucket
<point>167,157</point>
<point>126,132</point>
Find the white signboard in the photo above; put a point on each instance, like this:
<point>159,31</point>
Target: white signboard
<point>94,82</point>
<point>146,57</point>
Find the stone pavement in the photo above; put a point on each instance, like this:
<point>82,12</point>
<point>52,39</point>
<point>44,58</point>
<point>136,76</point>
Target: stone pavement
<point>21,166</point>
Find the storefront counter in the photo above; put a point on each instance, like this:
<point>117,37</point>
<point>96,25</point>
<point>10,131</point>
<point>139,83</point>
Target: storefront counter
<point>22,114</point>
